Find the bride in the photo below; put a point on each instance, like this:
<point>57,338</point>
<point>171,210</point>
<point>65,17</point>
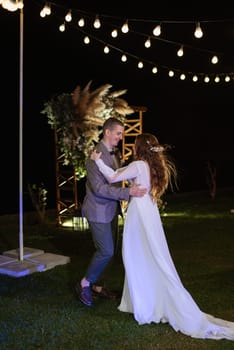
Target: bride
<point>153,291</point>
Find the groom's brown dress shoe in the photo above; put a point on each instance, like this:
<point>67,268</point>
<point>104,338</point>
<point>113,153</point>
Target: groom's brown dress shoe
<point>104,293</point>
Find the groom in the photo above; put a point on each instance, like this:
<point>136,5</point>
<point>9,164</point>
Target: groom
<point>101,207</point>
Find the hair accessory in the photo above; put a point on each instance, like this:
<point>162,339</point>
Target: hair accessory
<point>156,149</point>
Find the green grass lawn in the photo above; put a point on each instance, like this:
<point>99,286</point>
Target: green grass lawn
<point>41,310</point>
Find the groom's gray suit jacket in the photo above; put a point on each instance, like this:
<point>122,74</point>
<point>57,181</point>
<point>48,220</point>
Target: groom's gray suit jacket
<point>101,199</point>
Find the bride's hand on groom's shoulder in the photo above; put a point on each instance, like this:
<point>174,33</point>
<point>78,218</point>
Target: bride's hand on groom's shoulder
<point>95,155</point>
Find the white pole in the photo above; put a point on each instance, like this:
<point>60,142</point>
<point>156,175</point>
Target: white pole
<point>21,250</point>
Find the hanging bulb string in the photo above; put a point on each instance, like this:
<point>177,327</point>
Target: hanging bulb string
<point>137,33</point>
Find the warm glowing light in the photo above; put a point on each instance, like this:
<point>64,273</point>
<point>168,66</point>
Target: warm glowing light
<point>97,23</point>
<point>106,49</point>
<point>157,30</point>
<point>147,43</point>
<point>77,223</point>
<point>21,4</point>
<point>11,5</point>
<point>182,76</point>
<point>180,52</point>
<point>125,28</point>
<point>198,31</point>
<point>68,16</point>
<point>43,13</point>
<point>214,59</point>
<point>46,11</point>
<point>81,22</point>
<point>140,64</point>
<point>86,40</point>
<point>114,33</point>
<point>124,58</point>
<point>62,27</point>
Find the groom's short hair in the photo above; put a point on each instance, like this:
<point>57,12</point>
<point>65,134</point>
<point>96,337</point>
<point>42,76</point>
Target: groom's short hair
<point>110,123</point>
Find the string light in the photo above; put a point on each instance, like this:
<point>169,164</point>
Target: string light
<point>43,13</point>
<point>198,31</point>
<point>180,52</point>
<point>97,23</point>
<point>147,43</point>
<point>86,40</point>
<point>20,4</point>
<point>124,58</point>
<point>157,30</point>
<point>171,73</point>
<point>182,76</point>
<point>62,27</point>
<point>140,64</point>
<point>114,33</point>
<point>81,22</point>
<point>214,59</point>
<point>125,28</point>
<point>11,5</point>
<point>106,49</point>
<point>68,16</point>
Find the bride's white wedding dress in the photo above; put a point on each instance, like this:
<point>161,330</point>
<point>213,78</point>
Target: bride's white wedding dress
<point>153,291</point>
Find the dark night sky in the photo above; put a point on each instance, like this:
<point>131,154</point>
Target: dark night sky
<point>197,119</point>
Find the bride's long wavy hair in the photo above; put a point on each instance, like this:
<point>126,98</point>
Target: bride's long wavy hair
<point>163,172</point>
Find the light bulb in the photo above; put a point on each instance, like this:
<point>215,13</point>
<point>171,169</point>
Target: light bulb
<point>43,13</point>
<point>21,5</point>
<point>47,9</point>
<point>68,16</point>
<point>198,31</point>
<point>157,30</point>
<point>97,23</point>
<point>81,22</point>
<point>106,49</point>
<point>62,27</point>
<point>140,64</point>
<point>180,52</point>
<point>147,43</point>
<point>214,59</point>
<point>154,70</point>
<point>114,33</point>
<point>182,76</point>
<point>171,73</point>
<point>10,5</point>
<point>86,40</point>
<point>124,58</point>
<point>125,28</point>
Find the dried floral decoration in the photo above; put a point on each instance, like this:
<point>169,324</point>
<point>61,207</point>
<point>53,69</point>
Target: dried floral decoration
<point>79,116</point>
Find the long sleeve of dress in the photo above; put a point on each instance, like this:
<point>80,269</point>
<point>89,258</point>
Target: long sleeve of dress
<point>126,173</point>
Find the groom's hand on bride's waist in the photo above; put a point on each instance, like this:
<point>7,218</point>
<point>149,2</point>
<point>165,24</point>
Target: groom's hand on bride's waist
<point>137,191</point>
